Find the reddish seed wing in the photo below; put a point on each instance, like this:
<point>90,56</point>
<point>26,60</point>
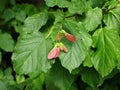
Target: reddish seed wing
<point>58,37</point>
<point>61,48</point>
<point>65,49</point>
<point>57,52</point>
<point>70,37</point>
<point>52,53</point>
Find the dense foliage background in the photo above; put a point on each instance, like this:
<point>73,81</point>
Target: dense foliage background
<point>28,31</point>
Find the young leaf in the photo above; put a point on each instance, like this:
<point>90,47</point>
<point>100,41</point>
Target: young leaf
<point>6,42</point>
<point>93,19</point>
<point>111,4</point>
<point>106,41</point>
<point>35,22</point>
<point>77,51</point>
<point>112,18</point>
<point>30,54</point>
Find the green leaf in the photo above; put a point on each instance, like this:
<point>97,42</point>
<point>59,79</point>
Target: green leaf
<point>8,14</point>
<point>78,50</point>
<point>97,3</point>
<point>91,77</point>
<point>111,4</point>
<point>0,57</point>
<point>3,86</point>
<point>35,22</point>
<point>93,19</point>
<point>60,77</point>
<point>106,41</point>
<point>118,64</point>
<point>6,42</point>
<point>6,79</point>
<point>79,6</point>
<point>59,16</point>
<point>60,3</point>
<point>28,8</point>
<point>30,54</point>
<point>87,62</point>
<point>17,26</point>
<point>20,79</point>
<point>36,84</point>
<point>1,73</point>
<point>111,21</point>
<point>12,2</point>
<point>20,16</point>
<point>110,87</point>
<point>2,5</point>
<point>112,18</point>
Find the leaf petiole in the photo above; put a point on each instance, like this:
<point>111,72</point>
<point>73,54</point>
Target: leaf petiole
<point>51,30</point>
